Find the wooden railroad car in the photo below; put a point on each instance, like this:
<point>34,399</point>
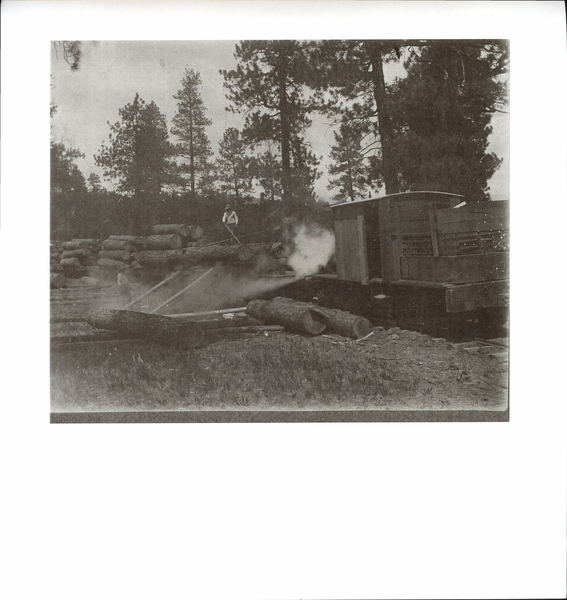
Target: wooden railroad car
<point>425,259</point>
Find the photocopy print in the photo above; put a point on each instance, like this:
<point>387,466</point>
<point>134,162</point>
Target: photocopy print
<point>284,230</point>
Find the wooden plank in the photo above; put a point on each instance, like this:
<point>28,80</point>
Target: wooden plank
<point>362,250</point>
<point>387,229</point>
<point>456,269</point>
<point>474,296</point>
<point>484,225</point>
<point>351,247</point>
<point>397,242</point>
<point>433,227</point>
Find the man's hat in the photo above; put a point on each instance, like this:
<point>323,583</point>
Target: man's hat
<point>227,207</point>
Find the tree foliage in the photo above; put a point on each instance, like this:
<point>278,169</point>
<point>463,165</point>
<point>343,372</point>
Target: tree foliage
<point>349,171</point>
<point>233,165</point>
<point>441,113</point>
<point>71,51</point>
<point>189,125</point>
<point>435,112</point>
<point>268,86</point>
<point>266,169</point>
<point>139,154</point>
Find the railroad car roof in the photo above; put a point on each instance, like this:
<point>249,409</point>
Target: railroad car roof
<point>398,195</point>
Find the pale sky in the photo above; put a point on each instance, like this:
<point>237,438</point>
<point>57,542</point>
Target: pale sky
<point>111,73</point>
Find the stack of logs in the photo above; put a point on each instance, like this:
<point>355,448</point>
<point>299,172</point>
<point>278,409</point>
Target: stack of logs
<point>168,247</point>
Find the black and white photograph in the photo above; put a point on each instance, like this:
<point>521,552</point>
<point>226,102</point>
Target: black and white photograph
<point>288,229</point>
<point>282,299</point>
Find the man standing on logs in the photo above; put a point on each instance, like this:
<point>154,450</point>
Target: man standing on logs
<point>230,220</point>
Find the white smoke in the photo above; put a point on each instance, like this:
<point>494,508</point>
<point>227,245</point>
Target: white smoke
<point>313,248</point>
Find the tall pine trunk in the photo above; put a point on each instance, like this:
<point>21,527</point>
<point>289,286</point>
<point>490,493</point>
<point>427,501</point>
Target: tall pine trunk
<point>285,133</point>
<point>384,123</point>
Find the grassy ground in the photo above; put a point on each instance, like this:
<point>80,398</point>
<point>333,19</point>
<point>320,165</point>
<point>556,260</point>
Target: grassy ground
<point>391,370</point>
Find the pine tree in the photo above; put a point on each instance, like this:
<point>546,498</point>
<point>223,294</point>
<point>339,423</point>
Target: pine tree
<point>348,167</point>
<point>139,154</point>
<point>441,116</point>
<point>189,126</point>
<point>268,84</point>
<point>266,169</point>
<point>233,165</point>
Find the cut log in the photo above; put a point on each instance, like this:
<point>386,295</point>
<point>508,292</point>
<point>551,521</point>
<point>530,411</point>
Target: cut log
<point>115,254</point>
<point>200,243</point>
<point>70,263</point>
<point>159,258</point>
<point>244,253</point>
<point>75,244</point>
<point>293,317</point>
<point>337,321</point>
<point>57,280</point>
<point>195,233</point>
<point>94,282</point>
<point>90,241</point>
<point>136,240</point>
<point>170,241</point>
<point>210,254</point>
<point>167,228</point>
<point>79,253</point>
<point>117,245</point>
<point>107,263</point>
<point>182,334</point>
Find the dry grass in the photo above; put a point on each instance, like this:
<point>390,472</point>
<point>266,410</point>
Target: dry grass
<point>276,371</point>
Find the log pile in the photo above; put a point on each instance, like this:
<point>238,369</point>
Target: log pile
<point>169,246</point>
<point>303,317</point>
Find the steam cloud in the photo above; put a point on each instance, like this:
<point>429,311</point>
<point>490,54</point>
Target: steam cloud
<point>314,247</point>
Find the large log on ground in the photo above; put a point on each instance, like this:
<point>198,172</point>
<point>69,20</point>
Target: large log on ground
<point>164,330</point>
<point>159,258</point>
<point>168,228</point>
<point>107,263</point>
<point>57,280</point>
<point>337,321</point>
<point>70,262</point>
<point>169,241</point>
<point>79,253</point>
<point>136,240</point>
<point>75,244</point>
<point>92,243</point>
<point>210,254</point>
<point>117,245</point>
<point>94,282</point>
<point>293,317</point>
<point>115,254</point>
